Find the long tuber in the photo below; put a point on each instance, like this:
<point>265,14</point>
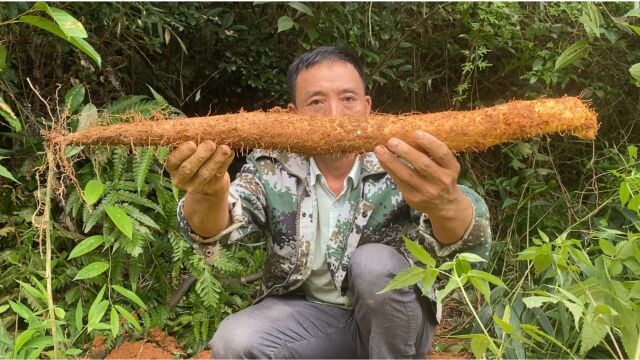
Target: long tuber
<point>460,130</point>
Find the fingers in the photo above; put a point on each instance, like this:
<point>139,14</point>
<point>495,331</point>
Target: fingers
<point>437,150</point>
<point>420,161</point>
<point>214,168</point>
<point>189,167</point>
<point>179,155</point>
<point>404,176</point>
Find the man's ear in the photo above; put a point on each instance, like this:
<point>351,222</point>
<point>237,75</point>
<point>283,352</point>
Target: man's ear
<point>292,108</point>
<point>367,100</point>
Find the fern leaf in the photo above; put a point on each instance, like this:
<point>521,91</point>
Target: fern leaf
<point>119,160</point>
<point>227,263</point>
<point>208,287</point>
<point>133,198</point>
<point>126,104</point>
<point>73,204</point>
<point>141,166</point>
<point>138,215</point>
<point>130,186</point>
<point>90,219</point>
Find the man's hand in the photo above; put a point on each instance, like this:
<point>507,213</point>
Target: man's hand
<point>200,169</point>
<point>428,183</point>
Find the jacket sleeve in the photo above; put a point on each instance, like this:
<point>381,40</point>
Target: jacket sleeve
<point>476,239</point>
<point>246,208</point>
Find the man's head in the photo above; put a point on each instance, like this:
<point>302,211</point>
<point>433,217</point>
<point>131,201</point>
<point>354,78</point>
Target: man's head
<point>328,81</point>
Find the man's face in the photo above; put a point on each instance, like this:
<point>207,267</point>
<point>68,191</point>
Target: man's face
<point>331,88</point>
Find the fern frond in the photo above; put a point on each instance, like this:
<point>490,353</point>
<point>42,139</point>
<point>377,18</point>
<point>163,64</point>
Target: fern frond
<point>119,160</point>
<point>227,263</point>
<point>73,204</point>
<point>207,286</point>
<point>178,245</point>
<point>138,215</point>
<point>141,166</point>
<point>90,219</point>
<point>127,104</point>
<point>130,186</point>
<point>134,198</point>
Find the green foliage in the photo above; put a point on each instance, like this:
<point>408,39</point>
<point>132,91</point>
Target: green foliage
<point>564,212</point>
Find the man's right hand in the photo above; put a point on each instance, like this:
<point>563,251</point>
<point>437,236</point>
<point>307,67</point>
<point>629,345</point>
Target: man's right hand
<point>200,169</point>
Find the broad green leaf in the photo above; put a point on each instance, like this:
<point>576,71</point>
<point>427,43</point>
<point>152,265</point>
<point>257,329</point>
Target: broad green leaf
<point>632,150</point>
<point>55,30</point>
<point>73,352</point>
<point>127,315</point>
<point>40,341</point>
<point>592,333</point>
<point>79,315</point>
<point>419,252</point>
<point>607,248</point>
<point>505,326</point>
<point>9,115</point>
<point>23,338</point>
<point>634,70</point>
<point>3,58</point>
<point>73,98</point>
<point>633,12</point>
<point>121,220</point>
<point>405,278</point>
<point>285,23</point>
<point>487,277</point>
<point>23,311</point>
<point>470,257</point>
<point>92,191</point>
<point>96,314</point>
<point>479,345</point>
<point>60,313</point>
<point>33,291</point>
<point>482,286</point>
<point>537,301</point>
<point>636,29</point>
<point>301,7</point>
<point>92,270</point>
<point>442,293</point>
<point>129,295</point>
<point>572,54</point>
<point>115,322</point>
<point>624,193</point>
<point>98,298</point>
<point>88,116</point>
<point>67,23</point>
<point>429,278</point>
<point>86,245</point>
<point>5,173</point>
<point>3,308</point>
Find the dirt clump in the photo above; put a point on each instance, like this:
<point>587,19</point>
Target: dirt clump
<point>158,345</point>
<point>139,350</point>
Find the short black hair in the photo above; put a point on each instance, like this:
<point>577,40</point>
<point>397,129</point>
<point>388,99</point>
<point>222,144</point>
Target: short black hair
<point>322,54</point>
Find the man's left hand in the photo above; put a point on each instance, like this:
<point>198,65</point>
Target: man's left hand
<point>427,178</point>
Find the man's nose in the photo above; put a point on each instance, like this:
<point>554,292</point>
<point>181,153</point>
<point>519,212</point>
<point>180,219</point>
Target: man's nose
<point>333,108</point>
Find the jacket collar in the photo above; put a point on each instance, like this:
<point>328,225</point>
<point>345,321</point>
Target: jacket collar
<point>298,165</point>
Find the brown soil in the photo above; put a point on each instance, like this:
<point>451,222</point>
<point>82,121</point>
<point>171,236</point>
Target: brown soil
<point>460,130</point>
<point>139,350</point>
<point>157,346</point>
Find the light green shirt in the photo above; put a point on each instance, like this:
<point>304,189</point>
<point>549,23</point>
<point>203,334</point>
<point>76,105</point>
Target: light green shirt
<point>319,285</point>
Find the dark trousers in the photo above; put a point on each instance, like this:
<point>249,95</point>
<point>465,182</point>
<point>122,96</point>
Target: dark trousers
<point>396,324</point>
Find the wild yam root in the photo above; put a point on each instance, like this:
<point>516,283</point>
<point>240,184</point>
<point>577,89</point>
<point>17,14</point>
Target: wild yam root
<point>277,129</point>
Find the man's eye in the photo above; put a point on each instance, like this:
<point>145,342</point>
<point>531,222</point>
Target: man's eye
<point>315,102</point>
<point>349,99</point>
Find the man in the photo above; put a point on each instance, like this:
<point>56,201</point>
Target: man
<point>335,225</point>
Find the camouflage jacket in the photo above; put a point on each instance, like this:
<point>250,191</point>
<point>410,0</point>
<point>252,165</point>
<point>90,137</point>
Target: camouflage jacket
<point>271,194</point>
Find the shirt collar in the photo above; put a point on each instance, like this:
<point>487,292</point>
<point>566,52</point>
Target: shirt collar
<point>354,174</point>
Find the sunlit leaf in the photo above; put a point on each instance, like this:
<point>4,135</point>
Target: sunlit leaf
<point>7,113</point>
<point>55,30</point>
<point>405,278</point>
<point>285,23</point>
<point>572,54</point>
<point>73,98</point>
<point>67,23</point>
<point>121,220</point>
<point>92,270</point>
<point>301,7</point>
<point>86,245</point>
<point>419,252</point>
<point>92,191</point>
<point>129,295</point>
<point>634,70</point>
